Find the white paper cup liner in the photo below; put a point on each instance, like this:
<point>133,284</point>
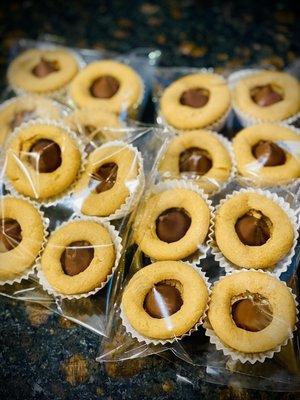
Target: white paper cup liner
<point>218,185</point>
<point>140,338</point>
<point>51,201</point>
<point>138,187</point>
<point>203,249</point>
<point>60,93</point>
<point>283,264</point>
<point>30,270</point>
<point>117,241</point>
<point>252,358</point>
<point>244,118</point>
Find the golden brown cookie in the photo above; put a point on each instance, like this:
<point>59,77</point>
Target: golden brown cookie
<point>165,300</point>
<point>195,101</point>
<point>268,96</point>
<point>268,154</point>
<point>78,257</point>
<point>110,177</point>
<point>22,109</point>
<point>252,311</point>
<point>42,160</point>
<point>199,155</point>
<point>107,84</point>
<point>21,236</point>
<point>172,224</point>
<point>100,124</point>
<point>42,71</point>
<point>253,231</point>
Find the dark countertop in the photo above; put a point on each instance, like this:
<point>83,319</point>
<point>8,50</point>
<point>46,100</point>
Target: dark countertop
<point>44,356</point>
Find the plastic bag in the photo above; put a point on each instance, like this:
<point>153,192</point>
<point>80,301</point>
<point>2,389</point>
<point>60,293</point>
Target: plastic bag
<point>131,334</point>
<point>44,155</point>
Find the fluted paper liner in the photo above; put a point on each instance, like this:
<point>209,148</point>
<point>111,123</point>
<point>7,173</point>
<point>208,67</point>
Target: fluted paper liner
<point>282,265</point>
<point>245,118</point>
<point>30,270</point>
<point>133,197</point>
<point>117,242</point>
<point>236,355</point>
<point>201,253</point>
<point>140,338</point>
<point>51,201</point>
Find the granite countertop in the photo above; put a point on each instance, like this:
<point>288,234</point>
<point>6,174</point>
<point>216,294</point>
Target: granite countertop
<point>44,356</point>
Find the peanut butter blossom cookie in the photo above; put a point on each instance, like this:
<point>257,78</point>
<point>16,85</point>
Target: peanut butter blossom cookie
<point>107,84</point>
<point>104,186</point>
<point>252,231</point>
<point>252,311</point>
<point>268,154</point>
<point>195,101</point>
<point>42,71</point>
<point>165,300</point>
<point>21,236</point>
<point>78,257</point>
<point>22,109</point>
<point>42,160</point>
<point>172,224</point>
<point>199,155</point>
<point>96,124</point>
<point>268,96</point>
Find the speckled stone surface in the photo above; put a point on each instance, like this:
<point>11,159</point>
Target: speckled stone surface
<point>43,356</point>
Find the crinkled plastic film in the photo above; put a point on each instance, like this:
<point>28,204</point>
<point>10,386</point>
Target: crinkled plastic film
<point>87,307</point>
<point>193,352</point>
<point>203,357</point>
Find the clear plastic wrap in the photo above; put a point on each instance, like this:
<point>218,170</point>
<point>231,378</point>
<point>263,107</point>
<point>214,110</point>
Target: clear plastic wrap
<point>144,331</point>
<point>48,166</point>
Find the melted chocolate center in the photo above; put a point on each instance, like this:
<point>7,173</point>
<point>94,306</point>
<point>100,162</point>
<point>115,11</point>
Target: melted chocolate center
<point>172,224</point>
<point>10,234</point>
<point>268,153</point>
<point>195,160</point>
<point>253,228</point>
<point>45,155</point>
<point>76,257</point>
<point>44,68</point>
<point>265,95</point>
<point>252,314</point>
<point>20,117</point>
<point>106,175</point>
<point>104,87</point>
<point>162,301</point>
<point>195,97</point>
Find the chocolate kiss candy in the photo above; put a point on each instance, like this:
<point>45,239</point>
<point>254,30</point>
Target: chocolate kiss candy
<point>76,257</point>
<point>10,234</point>
<point>162,301</point>
<point>194,160</point>
<point>45,155</point>
<point>107,175</point>
<point>252,231</point>
<point>268,153</point>
<point>265,95</point>
<point>44,68</point>
<point>105,87</point>
<point>20,117</point>
<point>172,225</point>
<point>251,315</point>
<point>195,98</point>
